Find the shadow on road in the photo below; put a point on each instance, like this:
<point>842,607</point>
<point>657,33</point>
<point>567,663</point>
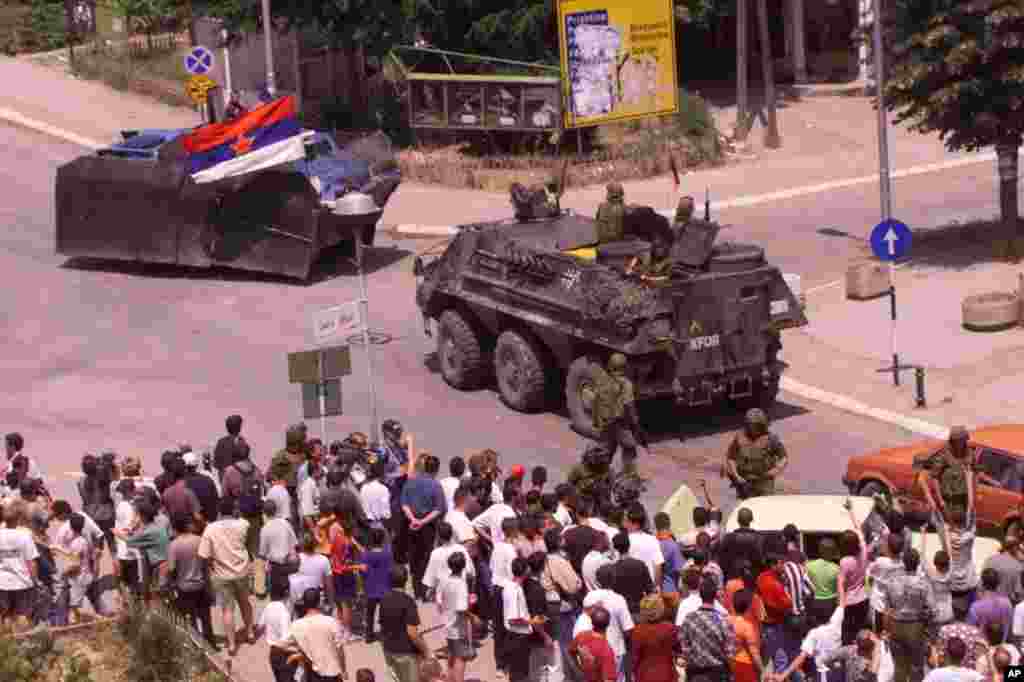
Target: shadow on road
<point>958,246</point>
<point>664,422</point>
<point>333,263</point>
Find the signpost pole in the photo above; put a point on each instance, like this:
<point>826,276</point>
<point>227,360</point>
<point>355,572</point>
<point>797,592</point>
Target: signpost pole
<point>321,389</point>
<point>885,186</point>
<point>227,69</point>
<point>364,311</point>
<point>268,47</point>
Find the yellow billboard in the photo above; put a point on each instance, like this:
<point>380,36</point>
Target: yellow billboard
<point>618,60</point>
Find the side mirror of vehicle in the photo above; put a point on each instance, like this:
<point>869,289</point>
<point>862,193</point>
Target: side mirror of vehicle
<point>417,266</point>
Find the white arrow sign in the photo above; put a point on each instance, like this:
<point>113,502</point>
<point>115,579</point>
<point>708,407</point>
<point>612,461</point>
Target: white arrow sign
<point>891,238</point>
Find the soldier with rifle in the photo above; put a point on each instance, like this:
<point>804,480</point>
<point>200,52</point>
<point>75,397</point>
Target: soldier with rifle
<point>947,469</point>
<point>615,414</point>
<point>756,458</point>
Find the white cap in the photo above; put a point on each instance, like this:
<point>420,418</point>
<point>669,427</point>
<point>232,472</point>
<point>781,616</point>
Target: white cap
<point>191,459</point>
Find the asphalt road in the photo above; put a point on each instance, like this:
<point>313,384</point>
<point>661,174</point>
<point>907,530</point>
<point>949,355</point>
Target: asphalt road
<point>139,359</point>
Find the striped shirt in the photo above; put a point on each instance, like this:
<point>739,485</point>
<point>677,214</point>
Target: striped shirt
<point>798,586</point>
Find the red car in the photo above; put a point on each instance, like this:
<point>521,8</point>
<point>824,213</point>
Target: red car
<point>1000,452</point>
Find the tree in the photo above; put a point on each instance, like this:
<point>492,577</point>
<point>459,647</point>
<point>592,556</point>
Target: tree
<point>522,30</point>
<point>958,69</point>
<point>145,15</point>
<point>772,140</point>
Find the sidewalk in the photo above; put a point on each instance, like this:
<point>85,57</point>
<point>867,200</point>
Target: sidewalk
<point>971,378</point>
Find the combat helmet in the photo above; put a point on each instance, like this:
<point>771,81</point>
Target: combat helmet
<point>295,435</point>
<point>627,489</point>
<point>685,209</point>
<point>595,458</point>
<point>615,191</point>
<point>617,364</point>
<point>756,419</point>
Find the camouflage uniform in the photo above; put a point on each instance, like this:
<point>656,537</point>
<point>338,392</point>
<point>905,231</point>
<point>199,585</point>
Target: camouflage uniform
<point>592,477</point>
<point>755,452</point>
<point>615,414</point>
<point>611,215</point>
<point>950,471</point>
<point>684,214</point>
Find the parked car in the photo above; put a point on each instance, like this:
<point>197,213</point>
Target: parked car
<point>823,516</point>
<point>1000,450</point>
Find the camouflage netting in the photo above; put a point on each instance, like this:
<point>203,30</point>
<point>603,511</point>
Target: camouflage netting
<point>609,295</point>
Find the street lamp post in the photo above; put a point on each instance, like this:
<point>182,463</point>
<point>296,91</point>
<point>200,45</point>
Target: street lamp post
<point>268,48</point>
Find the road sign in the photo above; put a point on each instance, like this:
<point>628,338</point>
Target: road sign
<point>305,367</point>
<point>890,240</point>
<point>198,87</point>
<point>199,61</point>
<point>330,323</point>
<point>313,407</point>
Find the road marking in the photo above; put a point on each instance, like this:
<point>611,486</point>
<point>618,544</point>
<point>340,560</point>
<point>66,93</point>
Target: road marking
<point>847,404</point>
<point>47,129</point>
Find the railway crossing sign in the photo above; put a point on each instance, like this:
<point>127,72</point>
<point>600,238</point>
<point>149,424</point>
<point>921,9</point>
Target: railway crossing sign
<point>199,61</point>
<point>198,88</point>
<point>890,240</point>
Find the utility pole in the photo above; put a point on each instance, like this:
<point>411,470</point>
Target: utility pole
<point>268,47</point>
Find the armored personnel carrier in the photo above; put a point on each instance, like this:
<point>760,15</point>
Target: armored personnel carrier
<point>539,306</point>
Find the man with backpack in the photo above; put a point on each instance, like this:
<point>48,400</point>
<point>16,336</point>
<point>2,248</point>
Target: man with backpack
<point>243,484</point>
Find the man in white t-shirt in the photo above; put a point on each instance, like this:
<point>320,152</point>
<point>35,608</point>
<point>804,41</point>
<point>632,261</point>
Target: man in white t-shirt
<point>621,620</point>
<point>274,623</point>
<point>488,524</point>
<point>563,491</point>
<point>599,556</point>
<point>819,644</point>
<point>518,623</point>
<point>309,496</point>
<point>644,546</point>
<point>18,570</point>
<point>449,484</point>
<point>453,603</point>
<point>462,527</point>
<point>128,566</point>
<point>504,553</point>
<point>62,515</point>
<point>375,497</point>
<point>437,565</point>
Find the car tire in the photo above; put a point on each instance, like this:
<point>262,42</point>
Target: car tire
<point>993,311</point>
<point>460,352</point>
<point>579,394</point>
<point>519,365</point>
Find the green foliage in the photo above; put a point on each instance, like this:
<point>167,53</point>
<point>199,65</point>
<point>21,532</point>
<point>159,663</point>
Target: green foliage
<point>158,652</point>
<point>144,15</point>
<point>26,660</point>
<point>523,30</point>
<point>704,13</point>
<point>77,669</point>
<point>47,24</point>
<point>958,69</point>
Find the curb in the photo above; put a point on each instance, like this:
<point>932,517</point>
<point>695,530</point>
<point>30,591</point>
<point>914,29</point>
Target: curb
<point>24,121</point>
<point>846,404</point>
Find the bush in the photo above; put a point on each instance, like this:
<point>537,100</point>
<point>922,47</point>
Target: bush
<point>158,651</point>
<point>47,25</point>
<point>29,659</point>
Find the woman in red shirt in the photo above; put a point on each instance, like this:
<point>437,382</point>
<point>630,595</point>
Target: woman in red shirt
<point>344,549</point>
<point>653,643</point>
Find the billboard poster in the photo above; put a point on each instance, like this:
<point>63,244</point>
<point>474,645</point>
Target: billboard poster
<point>618,59</point>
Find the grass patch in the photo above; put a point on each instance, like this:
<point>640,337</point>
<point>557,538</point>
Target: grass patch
<point>160,75</point>
<point>619,151</point>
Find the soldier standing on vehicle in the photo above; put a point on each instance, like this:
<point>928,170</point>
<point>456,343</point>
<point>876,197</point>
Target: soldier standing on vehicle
<point>948,469</point>
<point>684,214</point>
<point>615,416</point>
<point>756,457</point>
<point>611,215</point>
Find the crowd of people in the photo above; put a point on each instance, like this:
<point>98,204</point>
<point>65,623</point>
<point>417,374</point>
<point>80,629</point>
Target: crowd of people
<point>348,542</point>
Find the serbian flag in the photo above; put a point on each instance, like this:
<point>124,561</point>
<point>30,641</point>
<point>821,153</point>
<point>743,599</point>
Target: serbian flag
<point>265,137</point>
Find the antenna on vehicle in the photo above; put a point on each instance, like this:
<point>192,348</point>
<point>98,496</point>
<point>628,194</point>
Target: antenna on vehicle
<point>707,204</point>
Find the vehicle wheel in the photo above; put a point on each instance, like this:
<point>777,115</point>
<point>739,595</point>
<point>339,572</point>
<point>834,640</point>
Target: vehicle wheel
<point>580,390</point>
<point>735,257</point>
<point>991,312</point>
<point>872,488</point>
<point>460,352</point>
<point>368,235</point>
<point>519,369</point>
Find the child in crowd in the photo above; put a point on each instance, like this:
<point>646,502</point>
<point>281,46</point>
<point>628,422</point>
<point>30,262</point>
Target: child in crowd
<point>80,571</point>
<point>376,565</point>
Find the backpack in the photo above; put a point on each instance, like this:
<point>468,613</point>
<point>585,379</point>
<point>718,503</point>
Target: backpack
<point>250,500</point>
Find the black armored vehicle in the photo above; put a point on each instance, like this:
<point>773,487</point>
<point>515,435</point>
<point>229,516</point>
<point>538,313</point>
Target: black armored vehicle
<point>539,305</point>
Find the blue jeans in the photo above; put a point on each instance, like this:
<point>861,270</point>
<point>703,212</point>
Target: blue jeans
<point>566,621</point>
<point>781,647</point>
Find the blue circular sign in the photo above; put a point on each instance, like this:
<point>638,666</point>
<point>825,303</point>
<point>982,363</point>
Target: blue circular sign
<point>890,240</point>
<point>199,61</point>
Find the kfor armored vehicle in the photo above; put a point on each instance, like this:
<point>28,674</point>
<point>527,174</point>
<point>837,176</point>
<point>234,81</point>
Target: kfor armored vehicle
<point>539,306</point>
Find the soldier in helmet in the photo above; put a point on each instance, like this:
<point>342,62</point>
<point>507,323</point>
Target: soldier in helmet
<point>286,462</point>
<point>615,416</point>
<point>947,469</point>
<point>756,457</point>
<point>611,215</point>
<point>592,477</point>
<point>684,214</point>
